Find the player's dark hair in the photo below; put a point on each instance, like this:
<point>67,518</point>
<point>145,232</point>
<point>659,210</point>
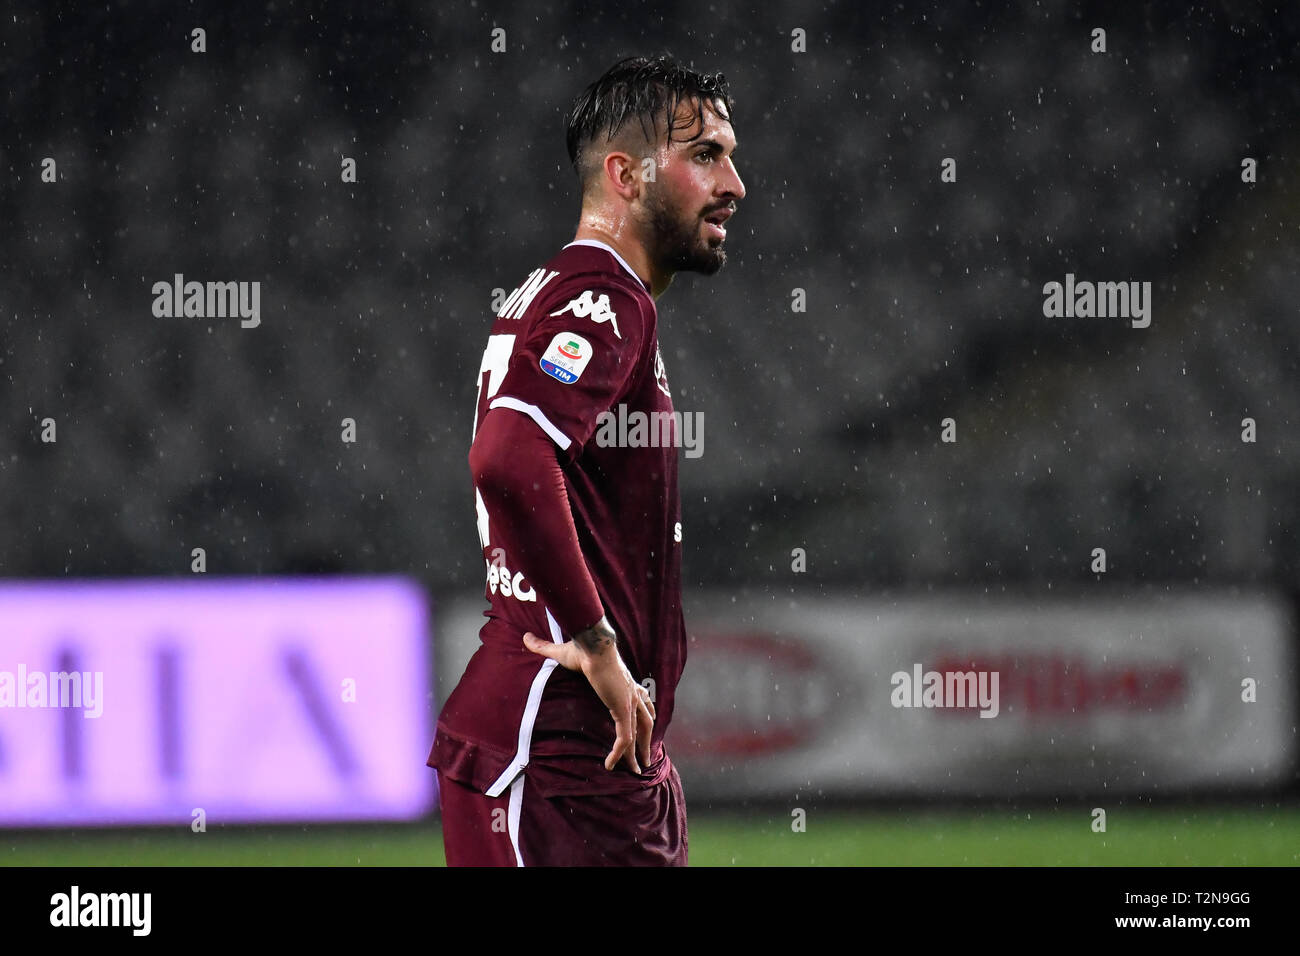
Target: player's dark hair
<point>644,88</point>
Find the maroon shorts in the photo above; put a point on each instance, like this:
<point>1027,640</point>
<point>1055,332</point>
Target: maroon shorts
<point>523,828</point>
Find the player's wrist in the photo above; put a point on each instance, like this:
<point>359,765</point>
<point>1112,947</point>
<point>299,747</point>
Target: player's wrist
<point>597,639</point>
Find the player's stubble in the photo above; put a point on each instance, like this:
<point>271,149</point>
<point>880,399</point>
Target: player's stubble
<point>677,237</point>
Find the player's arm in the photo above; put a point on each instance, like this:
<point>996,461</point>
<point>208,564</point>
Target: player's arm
<point>517,472</point>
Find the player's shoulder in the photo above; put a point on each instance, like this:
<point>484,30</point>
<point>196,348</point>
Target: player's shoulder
<point>585,273</point>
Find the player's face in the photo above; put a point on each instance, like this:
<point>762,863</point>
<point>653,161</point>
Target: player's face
<point>696,185</point>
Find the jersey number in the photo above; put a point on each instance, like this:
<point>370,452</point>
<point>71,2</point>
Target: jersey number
<point>496,358</point>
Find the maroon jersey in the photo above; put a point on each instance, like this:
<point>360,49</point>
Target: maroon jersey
<point>575,348</point>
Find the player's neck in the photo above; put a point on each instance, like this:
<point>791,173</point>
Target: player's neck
<point>633,253</point>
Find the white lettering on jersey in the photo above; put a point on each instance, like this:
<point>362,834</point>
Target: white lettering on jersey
<point>499,578</point>
<point>677,533</point>
<point>661,374</point>
<point>599,310</point>
<point>522,297</point>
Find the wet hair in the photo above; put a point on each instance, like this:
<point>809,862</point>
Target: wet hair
<point>644,88</point>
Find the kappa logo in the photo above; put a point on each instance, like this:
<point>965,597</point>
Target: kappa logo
<point>597,310</point>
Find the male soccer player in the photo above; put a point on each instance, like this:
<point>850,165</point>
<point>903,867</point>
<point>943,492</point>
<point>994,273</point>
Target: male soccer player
<point>550,749</point>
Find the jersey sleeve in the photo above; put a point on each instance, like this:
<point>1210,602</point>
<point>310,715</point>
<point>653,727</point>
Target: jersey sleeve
<point>577,360</point>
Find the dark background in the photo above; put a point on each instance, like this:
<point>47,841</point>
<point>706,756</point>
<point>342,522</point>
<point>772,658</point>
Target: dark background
<point>822,428</point>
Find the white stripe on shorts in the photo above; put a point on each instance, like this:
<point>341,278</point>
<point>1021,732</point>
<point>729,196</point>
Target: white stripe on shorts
<point>530,715</point>
<point>512,816</point>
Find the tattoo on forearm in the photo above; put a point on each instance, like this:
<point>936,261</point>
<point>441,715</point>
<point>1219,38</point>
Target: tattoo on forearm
<point>596,638</point>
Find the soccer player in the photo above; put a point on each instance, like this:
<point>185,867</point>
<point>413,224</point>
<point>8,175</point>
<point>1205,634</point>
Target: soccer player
<point>550,749</point>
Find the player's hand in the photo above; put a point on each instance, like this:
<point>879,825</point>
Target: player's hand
<point>595,654</point>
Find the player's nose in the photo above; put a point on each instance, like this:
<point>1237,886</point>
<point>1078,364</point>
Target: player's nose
<point>731,184</point>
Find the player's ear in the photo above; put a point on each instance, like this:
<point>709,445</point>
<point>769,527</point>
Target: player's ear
<point>623,172</point>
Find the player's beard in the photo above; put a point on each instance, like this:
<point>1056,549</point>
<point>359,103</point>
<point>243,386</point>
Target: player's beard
<point>680,244</point>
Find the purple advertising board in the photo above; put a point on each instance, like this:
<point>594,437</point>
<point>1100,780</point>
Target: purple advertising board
<point>231,700</point>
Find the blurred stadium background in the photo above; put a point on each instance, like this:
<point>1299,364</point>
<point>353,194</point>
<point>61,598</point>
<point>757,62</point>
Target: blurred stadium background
<point>924,302</point>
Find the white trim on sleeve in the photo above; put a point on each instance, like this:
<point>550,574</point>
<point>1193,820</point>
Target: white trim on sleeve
<point>537,415</point>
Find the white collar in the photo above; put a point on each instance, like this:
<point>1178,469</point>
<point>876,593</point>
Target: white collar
<point>596,243</point>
